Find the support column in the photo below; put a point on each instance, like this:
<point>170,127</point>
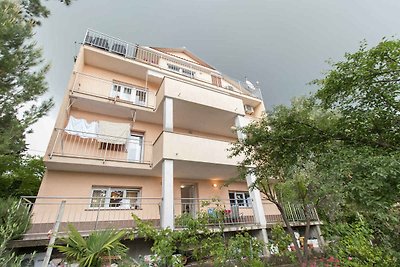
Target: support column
<point>255,195</point>
<point>258,210</point>
<point>167,205</point>
<point>168,118</point>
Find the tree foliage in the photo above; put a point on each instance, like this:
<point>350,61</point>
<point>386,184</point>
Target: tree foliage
<point>339,147</point>
<point>98,248</point>
<point>22,86</point>
<point>14,221</point>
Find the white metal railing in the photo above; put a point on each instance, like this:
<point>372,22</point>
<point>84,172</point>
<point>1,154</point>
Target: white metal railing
<point>119,92</point>
<point>214,212</point>
<point>86,217</point>
<point>95,146</point>
<point>109,43</point>
<point>294,213</point>
<point>162,60</point>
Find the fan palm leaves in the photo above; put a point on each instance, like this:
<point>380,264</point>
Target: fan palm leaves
<point>91,251</point>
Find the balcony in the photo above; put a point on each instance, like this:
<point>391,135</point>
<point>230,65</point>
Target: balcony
<point>92,86</point>
<point>86,214</point>
<point>294,213</point>
<point>169,63</point>
<point>89,214</point>
<point>191,148</point>
<point>214,213</point>
<point>91,150</point>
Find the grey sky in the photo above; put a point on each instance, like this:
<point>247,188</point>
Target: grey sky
<point>283,44</point>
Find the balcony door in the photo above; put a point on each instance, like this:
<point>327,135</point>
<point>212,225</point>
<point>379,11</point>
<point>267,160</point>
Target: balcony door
<point>130,94</point>
<point>188,199</point>
<point>135,148</point>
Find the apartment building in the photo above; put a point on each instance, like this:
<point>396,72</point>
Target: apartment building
<point>146,130</point>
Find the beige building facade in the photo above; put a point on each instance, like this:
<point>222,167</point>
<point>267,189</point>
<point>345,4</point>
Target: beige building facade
<point>147,131</point>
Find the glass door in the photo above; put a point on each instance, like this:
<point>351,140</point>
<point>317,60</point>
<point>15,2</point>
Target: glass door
<point>135,148</point>
<point>188,199</point>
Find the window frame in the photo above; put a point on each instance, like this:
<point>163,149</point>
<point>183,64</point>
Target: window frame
<point>106,204</point>
<point>246,199</point>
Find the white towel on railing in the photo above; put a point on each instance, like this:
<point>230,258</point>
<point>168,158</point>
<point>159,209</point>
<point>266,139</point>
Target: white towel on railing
<point>81,127</point>
<point>114,133</point>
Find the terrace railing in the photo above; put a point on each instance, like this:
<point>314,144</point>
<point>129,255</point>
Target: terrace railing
<point>161,60</point>
<point>294,212</point>
<point>95,146</point>
<point>86,214</point>
<point>130,94</point>
<point>214,212</point>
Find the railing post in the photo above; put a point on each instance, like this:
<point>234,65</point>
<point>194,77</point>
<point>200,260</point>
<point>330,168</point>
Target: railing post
<point>105,153</point>
<point>53,235</point>
<point>97,216</point>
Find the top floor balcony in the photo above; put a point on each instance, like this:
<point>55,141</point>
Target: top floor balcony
<point>170,63</point>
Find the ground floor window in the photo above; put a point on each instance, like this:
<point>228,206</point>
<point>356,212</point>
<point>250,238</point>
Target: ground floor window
<point>240,198</point>
<point>110,197</point>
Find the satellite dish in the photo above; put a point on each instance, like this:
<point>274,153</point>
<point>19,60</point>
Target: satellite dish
<point>250,85</point>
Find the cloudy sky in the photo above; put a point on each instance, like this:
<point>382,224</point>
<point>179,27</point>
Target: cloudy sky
<point>283,44</point>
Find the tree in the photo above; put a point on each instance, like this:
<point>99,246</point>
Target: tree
<point>98,248</point>
<point>337,149</point>
<point>22,84</point>
<point>14,221</point>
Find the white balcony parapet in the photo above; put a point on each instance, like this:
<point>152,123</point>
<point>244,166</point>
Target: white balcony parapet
<point>111,90</point>
<point>75,144</point>
<point>86,214</point>
<point>164,61</point>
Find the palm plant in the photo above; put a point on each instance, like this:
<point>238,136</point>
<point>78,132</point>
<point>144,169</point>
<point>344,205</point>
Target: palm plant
<point>93,250</point>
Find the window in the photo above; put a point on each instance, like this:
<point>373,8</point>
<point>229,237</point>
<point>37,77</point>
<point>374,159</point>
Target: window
<point>129,93</point>
<point>216,80</point>
<point>118,198</point>
<point>240,199</point>
<point>181,70</point>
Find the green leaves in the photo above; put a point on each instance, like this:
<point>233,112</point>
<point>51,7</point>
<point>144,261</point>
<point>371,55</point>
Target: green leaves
<point>97,248</point>
<point>339,148</point>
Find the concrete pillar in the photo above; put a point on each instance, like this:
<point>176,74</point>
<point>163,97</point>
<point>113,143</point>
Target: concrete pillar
<point>168,118</point>
<point>167,205</point>
<point>255,195</point>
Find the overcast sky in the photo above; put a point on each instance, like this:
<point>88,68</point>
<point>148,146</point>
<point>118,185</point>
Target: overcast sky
<point>283,44</point>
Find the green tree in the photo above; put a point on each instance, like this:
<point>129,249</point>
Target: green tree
<point>14,221</point>
<point>22,85</point>
<point>23,179</point>
<point>98,248</point>
<point>337,149</point>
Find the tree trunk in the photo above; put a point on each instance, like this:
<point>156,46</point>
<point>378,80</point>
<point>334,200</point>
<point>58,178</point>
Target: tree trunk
<point>291,232</point>
<point>307,234</point>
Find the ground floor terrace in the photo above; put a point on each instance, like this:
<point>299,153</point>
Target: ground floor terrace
<point>94,201</point>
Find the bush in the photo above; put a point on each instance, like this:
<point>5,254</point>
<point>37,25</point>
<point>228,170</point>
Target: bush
<point>352,245</point>
<point>14,221</point>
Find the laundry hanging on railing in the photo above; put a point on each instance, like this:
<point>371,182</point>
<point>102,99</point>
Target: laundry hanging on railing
<point>114,133</point>
<point>82,128</point>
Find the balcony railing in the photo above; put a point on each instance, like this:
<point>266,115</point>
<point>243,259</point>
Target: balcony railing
<point>87,145</point>
<point>85,216</point>
<point>130,94</point>
<point>294,212</point>
<point>214,212</point>
<point>162,60</point>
